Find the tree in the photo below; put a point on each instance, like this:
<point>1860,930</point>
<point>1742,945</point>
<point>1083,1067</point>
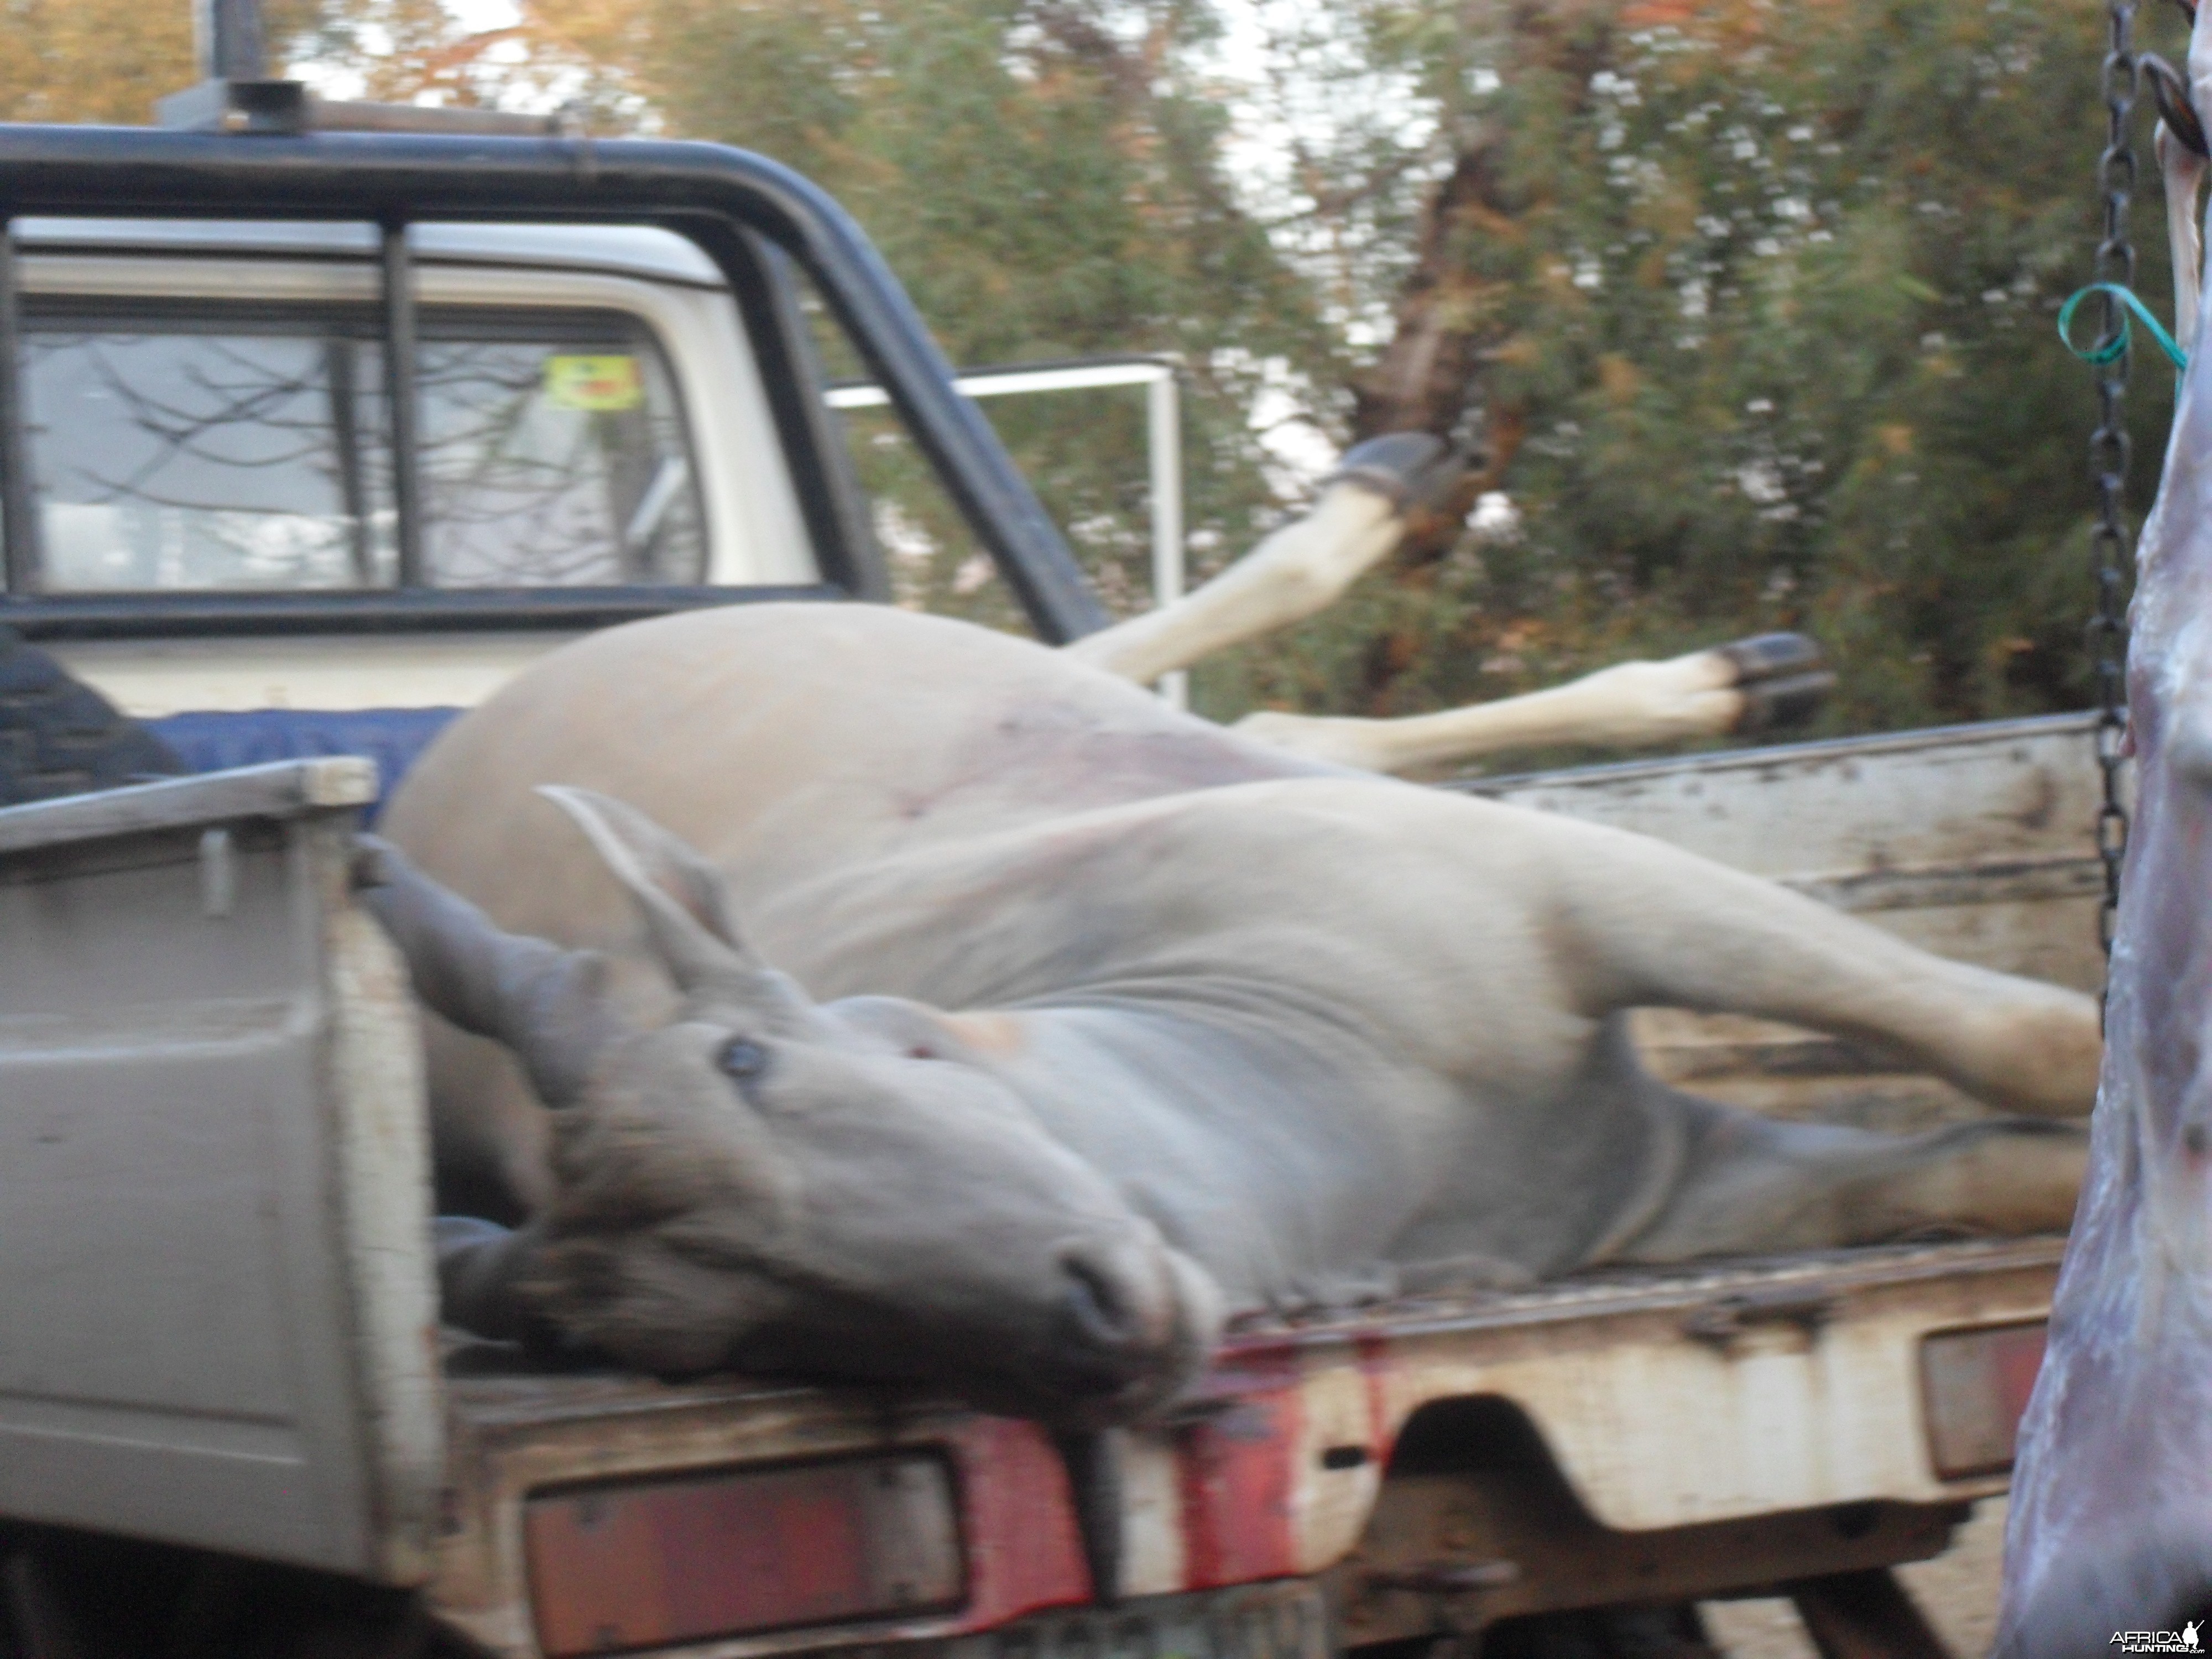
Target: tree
<point>105,60</point>
<point>91,60</point>
<point>1751,306</point>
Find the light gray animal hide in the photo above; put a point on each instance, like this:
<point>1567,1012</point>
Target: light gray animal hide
<point>1079,964</point>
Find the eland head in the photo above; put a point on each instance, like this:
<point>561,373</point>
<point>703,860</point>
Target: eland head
<point>762,1183</point>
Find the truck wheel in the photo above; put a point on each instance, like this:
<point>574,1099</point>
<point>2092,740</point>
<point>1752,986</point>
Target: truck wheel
<point>59,737</point>
<point>1663,1632</point>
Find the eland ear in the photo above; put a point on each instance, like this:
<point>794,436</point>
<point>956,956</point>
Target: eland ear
<point>659,869</point>
<point>678,892</point>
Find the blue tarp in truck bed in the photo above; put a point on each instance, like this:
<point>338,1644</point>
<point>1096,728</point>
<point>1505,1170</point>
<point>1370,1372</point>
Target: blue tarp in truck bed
<point>392,738</point>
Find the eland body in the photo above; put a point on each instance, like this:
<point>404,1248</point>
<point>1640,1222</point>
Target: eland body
<point>1090,1021</point>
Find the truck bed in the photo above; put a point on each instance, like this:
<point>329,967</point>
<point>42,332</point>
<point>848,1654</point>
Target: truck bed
<point>216,1300</point>
<point>1633,1430</point>
<point>218,1305</point>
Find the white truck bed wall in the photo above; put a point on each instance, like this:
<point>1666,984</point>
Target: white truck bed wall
<point>1969,840</point>
<point>218,1305</point>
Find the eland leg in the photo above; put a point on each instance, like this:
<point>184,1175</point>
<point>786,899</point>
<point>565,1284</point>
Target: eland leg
<point>1641,924</point>
<point>1299,570</point>
<point>1773,680</point>
<point>1751,685</point>
<point>1752,1183</point>
<point>2183,171</point>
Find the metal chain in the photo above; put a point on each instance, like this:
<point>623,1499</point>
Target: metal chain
<point>2108,454</point>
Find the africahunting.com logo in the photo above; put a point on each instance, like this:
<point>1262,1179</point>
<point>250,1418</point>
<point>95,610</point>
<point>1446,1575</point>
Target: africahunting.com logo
<point>2159,1641</point>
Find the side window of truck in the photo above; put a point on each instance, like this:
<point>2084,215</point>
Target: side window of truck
<point>204,446</point>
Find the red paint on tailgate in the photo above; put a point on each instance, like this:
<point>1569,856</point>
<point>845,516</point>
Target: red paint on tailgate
<point>1233,1469</point>
<point>1376,1364</point>
<point>1023,1550</point>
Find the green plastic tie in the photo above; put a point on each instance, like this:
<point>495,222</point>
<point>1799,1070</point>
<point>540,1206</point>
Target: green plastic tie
<point>2113,348</point>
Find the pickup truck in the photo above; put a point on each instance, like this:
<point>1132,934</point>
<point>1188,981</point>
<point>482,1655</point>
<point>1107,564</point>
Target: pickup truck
<point>307,441</point>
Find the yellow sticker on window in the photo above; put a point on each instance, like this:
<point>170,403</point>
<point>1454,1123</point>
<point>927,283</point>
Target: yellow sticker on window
<point>593,383</point>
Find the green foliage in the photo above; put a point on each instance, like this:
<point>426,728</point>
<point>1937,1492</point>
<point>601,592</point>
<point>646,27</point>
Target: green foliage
<point>105,60</point>
<point>1769,307</point>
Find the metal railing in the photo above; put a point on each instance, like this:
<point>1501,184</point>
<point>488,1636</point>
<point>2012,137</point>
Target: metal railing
<point>1160,378</point>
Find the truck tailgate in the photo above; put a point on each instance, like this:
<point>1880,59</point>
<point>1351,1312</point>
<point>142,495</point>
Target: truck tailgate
<point>217,1308</point>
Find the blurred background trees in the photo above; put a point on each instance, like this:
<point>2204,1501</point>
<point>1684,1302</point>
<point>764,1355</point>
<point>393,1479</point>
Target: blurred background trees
<point>1753,306</point>
<point>1745,306</point>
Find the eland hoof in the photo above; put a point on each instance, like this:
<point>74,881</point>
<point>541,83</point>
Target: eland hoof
<point>60,737</point>
<point>1413,470</point>
<point>477,1261</point>
<point>1783,678</point>
<point>2170,90</point>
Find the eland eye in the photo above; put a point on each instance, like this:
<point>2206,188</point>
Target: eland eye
<point>742,1058</point>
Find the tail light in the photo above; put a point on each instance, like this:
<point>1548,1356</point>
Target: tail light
<point>1974,1386</point>
<point>732,1552</point>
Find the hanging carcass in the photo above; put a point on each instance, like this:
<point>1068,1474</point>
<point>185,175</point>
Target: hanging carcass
<point>2111,1524</point>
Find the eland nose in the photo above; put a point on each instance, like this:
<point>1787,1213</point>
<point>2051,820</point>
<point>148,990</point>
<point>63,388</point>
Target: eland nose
<point>1117,1306</point>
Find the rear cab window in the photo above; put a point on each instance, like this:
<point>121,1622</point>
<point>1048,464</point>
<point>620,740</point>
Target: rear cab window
<point>204,412</point>
<point>217,446</point>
